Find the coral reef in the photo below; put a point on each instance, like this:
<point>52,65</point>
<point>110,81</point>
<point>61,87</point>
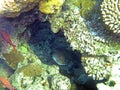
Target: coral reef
<point>12,8</point>
<point>111,12</point>
<point>50,6</point>
<point>81,37</point>
<point>91,38</point>
<point>47,80</point>
<point>31,73</point>
<point>85,7</point>
<point>34,61</point>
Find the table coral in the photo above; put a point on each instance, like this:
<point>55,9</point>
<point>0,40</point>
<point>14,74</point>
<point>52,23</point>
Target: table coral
<point>111,14</point>
<point>50,6</point>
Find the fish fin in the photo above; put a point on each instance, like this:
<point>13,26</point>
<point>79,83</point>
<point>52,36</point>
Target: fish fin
<point>14,48</point>
<point>3,86</point>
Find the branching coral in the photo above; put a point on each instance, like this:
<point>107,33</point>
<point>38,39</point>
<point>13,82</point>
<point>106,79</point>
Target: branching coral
<point>111,14</point>
<point>90,38</point>
<point>97,66</point>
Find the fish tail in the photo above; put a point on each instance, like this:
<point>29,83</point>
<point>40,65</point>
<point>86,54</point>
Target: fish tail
<point>14,48</point>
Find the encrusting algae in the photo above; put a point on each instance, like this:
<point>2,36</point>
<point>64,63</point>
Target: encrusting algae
<point>33,69</point>
<point>13,58</point>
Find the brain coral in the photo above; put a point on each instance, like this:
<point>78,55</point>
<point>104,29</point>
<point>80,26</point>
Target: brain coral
<point>12,8</point>
<point>111,14</point>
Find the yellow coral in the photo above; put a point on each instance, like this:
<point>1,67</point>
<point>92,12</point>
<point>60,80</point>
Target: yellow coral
<point>13,58</point>
<point>86,6</point>
<point>50,6</point>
